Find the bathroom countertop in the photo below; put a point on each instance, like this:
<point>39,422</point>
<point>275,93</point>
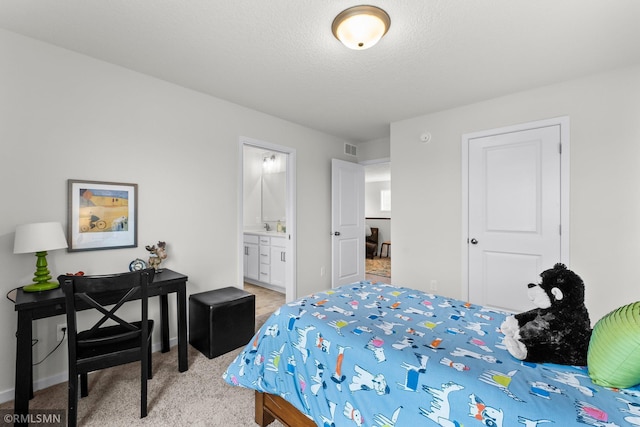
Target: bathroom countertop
<point>271,233</point>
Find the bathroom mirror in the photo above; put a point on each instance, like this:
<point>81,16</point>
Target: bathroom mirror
<point>273,196</point>
<point>265,181</point>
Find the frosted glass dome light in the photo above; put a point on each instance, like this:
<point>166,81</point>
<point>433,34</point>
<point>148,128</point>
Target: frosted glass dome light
<point>361,27</point>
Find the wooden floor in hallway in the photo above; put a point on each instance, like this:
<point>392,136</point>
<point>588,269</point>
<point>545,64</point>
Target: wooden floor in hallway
<point>267,300</point>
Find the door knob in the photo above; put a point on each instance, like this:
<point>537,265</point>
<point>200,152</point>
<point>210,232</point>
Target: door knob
<point>474,242</point>
<point>336,233</point>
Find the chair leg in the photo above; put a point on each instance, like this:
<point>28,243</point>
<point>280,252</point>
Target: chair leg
<point>84,385</point>
<point>150,366</point>
<point>72,405</point>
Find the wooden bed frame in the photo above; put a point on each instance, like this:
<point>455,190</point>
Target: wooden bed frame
<point>270,407</point>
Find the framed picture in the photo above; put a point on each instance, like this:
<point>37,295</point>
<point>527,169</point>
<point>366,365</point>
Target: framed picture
<point>102,215</point>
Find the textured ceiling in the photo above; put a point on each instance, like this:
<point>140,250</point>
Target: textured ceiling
<point>280,57</point>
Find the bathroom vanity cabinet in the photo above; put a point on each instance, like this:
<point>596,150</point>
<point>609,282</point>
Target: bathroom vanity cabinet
<point>265,257</point>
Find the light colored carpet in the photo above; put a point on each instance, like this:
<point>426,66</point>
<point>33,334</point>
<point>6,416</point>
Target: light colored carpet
<point>198,397</point>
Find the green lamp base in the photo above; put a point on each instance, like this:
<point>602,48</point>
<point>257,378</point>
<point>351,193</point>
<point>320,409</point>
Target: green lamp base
<point>42,276</point>
<point>37,287</point>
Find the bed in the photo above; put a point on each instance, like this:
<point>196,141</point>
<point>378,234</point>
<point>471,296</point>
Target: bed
<point>373,354</point>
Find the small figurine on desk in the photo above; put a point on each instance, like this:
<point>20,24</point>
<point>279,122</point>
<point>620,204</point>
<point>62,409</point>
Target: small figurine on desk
<point>79,273</point>
<point>157,255</point>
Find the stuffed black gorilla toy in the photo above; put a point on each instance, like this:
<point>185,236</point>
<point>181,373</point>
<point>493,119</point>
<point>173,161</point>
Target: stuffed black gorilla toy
<point>559,329</point>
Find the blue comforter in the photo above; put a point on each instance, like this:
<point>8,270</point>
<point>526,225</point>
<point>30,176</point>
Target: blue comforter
<point>372,354</point>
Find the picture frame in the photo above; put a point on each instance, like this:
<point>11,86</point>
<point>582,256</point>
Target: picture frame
<point>101,215</point>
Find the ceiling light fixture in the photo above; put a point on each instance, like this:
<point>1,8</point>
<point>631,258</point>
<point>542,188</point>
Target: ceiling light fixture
<point>361,27</point>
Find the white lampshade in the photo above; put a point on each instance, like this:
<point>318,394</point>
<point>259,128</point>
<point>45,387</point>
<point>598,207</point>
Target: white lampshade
<point>361,27</point>
<point>39,237</point>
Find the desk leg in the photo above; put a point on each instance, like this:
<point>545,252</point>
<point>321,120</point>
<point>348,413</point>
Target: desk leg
<point>164,322</point>
<point>183,362</point>
<point>24,379</point>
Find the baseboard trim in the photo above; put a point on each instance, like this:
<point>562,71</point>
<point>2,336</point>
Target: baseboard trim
<point>266,285</point>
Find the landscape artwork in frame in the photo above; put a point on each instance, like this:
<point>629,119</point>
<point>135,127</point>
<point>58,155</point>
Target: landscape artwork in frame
<point>102,215</point>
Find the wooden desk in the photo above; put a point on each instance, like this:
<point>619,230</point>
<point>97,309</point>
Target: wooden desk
<point>39,305</point>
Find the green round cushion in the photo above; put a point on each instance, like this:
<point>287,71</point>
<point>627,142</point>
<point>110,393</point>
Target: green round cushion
<point>613,357</point>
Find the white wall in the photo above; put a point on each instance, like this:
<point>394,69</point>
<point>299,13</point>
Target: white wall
<point>66,116</point>
<point>372,199</point>
<point>604,113</point>
<point>374,150</point>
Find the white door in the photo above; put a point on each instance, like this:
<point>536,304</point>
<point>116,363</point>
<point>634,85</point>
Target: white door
<point>347,222</point>
<point>514,217</point>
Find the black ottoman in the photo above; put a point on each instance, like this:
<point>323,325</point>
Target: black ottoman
<point>221,320</point>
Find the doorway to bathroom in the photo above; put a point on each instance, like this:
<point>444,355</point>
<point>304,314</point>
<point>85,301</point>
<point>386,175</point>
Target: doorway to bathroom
<point>268,221</point>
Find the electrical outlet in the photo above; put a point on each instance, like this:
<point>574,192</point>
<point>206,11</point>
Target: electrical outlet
<point>321,271</point>
<point>434,285</point>
<point>61,331</point>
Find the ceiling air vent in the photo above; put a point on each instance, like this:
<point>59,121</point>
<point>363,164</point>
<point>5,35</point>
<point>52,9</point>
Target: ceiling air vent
<point>350,149</point>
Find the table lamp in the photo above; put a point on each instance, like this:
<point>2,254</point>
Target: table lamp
<point>39,238</point>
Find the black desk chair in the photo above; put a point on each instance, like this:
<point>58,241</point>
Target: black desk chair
<point>105,346</point>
